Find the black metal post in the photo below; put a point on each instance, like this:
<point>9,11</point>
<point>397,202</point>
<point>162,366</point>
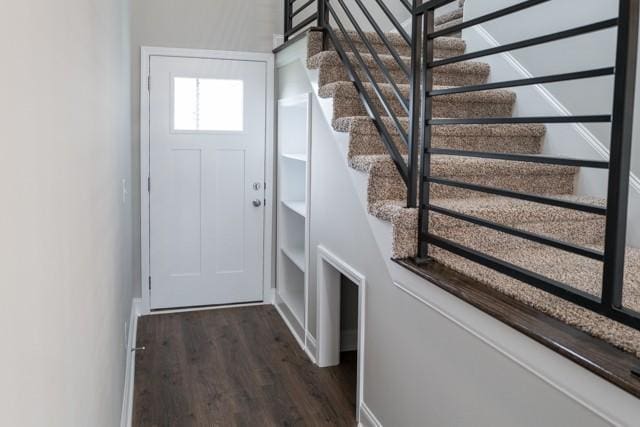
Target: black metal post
<point>415,102</point>
<point>323,20</point>
<point>425,147</point>
<point>288,19</point>
<point>620,156</point>
<point>322,14</point>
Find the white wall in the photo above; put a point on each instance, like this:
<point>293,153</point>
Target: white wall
<point>201,24</point>
<point>65,246</point>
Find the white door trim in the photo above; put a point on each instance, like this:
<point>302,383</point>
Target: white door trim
<point>327,336</point>
<point>146,53</point>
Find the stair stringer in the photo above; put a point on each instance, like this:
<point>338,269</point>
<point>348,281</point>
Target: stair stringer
<point>382,230</point>
<point>423,316</point>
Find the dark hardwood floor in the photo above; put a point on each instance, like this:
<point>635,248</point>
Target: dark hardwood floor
<point>238,366</point>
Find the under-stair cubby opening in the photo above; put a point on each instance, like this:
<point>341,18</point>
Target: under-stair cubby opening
<point>349,335</point>
<point>341,301</point>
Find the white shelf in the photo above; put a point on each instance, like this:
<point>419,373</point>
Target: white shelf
<point>298,207</point>
<point>294,177</point>
<point>296,257</point>
<point>300,157</point>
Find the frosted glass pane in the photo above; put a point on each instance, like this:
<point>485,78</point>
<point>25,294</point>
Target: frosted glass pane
<point>185,103</point>
<point>208,104</point>
<point>221,104</point>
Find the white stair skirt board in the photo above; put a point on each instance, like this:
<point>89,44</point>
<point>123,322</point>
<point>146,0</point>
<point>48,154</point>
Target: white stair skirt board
<point>367,418</point>
<point>330,270</point>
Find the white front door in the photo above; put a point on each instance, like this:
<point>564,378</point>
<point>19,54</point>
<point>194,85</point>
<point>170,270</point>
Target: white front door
<point>207,150</point>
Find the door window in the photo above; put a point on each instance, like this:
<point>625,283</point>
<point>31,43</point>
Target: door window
<point>208,105</point>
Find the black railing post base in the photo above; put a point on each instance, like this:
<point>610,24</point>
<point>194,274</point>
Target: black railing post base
<point>423,260</point>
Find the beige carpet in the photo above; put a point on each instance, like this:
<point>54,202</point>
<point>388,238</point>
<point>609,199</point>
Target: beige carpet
<point>387,192</point>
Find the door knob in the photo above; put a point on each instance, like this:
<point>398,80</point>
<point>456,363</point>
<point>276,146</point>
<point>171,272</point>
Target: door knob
<point>257,203</point>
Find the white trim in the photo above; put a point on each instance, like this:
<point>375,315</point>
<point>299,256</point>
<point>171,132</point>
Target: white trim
<point>129,376</point>
<point>294,52</point>
<point>469,327</point>
<point>324,256</point>
<point>145,53</point>
<point>289,325</point>
<point>580,128</point>
<point>367,418</point>
<point>205,308</point>
<point>312,348</point>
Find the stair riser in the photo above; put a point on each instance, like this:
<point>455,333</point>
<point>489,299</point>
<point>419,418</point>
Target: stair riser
<point>344,106</point>
<point>330,73</point>
<point>363,144</point>
<point>393,188</point>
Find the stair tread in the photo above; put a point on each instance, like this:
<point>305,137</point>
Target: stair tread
<point>365,125</point>
<point>331,57</point>
<point>347,89</point>
<point>381,164</point>
<point>497,209</point>
<point>449,43</point>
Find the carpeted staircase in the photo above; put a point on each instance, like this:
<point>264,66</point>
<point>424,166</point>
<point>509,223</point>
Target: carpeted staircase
<point>387,191</point>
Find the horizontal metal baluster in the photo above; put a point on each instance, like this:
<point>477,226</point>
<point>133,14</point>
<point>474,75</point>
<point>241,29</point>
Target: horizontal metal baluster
<point>561,35</point>
<point>303,7</point>
<point>488,17</point>
<point>527,276</point>
<point>548,241</point>
<point>527,158</point>
<point>526,82</point>
<point>302,25</point>
<point>521,120</point>
<point>518,195</point>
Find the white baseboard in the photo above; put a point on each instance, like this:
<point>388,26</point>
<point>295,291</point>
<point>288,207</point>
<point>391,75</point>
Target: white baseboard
<point>367,418</point>
<point>127,400</point>
<point>312,348</point>
<point>349,340</point>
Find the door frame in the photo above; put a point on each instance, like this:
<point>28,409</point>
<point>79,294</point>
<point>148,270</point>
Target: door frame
<point>146,52</point>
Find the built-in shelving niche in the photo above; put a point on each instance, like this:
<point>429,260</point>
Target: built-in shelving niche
<point>294,152</point>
